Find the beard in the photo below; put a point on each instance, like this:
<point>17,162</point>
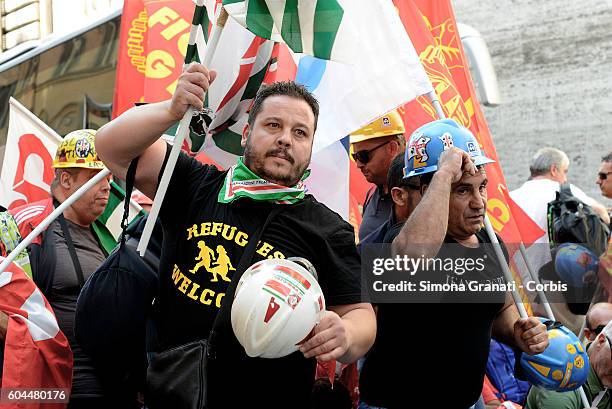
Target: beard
<point>256,163</point>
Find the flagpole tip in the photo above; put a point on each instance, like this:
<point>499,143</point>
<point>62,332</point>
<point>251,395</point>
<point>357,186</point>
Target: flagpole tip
<point>222,19</point>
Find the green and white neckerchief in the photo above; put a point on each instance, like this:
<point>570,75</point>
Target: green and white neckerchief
<point>240,181</point>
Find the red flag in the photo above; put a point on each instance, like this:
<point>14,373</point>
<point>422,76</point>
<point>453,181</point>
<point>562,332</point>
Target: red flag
<point>36,353</point>
<point>529,229</point>
<point>152,44</point>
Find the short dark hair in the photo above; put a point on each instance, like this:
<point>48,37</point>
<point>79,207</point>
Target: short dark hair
<point>287,88</point>
<point>395,176</point>
<point>607,158</point>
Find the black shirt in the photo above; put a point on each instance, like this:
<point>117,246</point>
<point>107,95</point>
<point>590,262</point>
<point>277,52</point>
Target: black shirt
<point>203,244</point>
<point>430,352</point>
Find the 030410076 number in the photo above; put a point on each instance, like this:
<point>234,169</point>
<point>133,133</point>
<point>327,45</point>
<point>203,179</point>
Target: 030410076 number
<point>51,395</point>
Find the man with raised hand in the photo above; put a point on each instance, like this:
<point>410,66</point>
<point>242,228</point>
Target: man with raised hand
<point>203,203</point>
<point>443,356</point>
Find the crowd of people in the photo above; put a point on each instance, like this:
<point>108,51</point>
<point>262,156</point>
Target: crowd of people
<point>429,196</point>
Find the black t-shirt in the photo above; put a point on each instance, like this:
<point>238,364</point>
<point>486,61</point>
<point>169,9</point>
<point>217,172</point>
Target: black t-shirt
<point>203,244</point>
<point>430,352</point>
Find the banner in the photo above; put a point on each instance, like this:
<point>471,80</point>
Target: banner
<point>36,353</point>
<point>27,170</point>
<point>152,43</point>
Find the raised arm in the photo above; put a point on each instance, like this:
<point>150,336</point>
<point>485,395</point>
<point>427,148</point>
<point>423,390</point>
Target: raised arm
<point>424,231</point>
<point>137,131</point>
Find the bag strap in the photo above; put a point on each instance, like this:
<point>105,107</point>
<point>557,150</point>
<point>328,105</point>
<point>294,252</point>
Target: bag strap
<point>245,261</point>
<point>566,189</point>
<point>73,255</point>
<point>129,186</point>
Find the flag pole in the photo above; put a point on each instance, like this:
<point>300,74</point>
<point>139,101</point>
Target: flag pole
<point>535,278</point>
<point>498,251</point>
<point>49,219</point>
<point>181,133</point>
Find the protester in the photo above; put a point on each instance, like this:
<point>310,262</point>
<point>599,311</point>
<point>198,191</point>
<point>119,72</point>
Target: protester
<point>447,345</point>
<point>374,147</point>
<point>596,386</point>
<point>204,204</point>
<point>604,176</point>
<point>549,168</point>
<point>597,318</point>
<point>68,252</point>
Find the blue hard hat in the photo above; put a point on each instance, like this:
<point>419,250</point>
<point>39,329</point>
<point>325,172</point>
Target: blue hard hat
<point>564,364</point>
<point>427,143</point>
<point>573,262</point>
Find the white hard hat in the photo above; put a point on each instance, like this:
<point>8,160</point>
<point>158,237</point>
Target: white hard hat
<point>278,302</point>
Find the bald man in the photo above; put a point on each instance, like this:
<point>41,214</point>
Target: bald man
<point>597,318</point>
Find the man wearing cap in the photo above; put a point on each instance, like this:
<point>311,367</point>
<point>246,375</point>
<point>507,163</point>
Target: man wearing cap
<point>67,252</point>
<point>374,146</point>
<point>404,371</point>
<point>596,387</point>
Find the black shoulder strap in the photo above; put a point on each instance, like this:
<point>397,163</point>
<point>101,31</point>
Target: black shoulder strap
<point>566,189</point>
<point>368,197</point>
<point>129,186</point>
<point>73,255</point>
<point>244,263</point>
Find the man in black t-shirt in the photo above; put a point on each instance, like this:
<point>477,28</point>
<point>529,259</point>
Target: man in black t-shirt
<point>403,369</point>
<point>208,217</point>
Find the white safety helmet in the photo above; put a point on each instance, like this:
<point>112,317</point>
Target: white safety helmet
<point>277,304</point>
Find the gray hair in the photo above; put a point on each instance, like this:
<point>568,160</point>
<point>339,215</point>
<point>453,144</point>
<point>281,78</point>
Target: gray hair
<point>607,158</point>
<point>544,159</point>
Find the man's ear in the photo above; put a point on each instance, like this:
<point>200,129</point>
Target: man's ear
<point>399,196</point>
<point>245,135</point>
<point>554,170</point>
<point>423,189</point>
<point>66,180</point>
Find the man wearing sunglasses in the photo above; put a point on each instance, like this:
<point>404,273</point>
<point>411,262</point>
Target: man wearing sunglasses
<point>596,386</point>
<point>374,146</point>
<point>596,319</point>
<point>604,176</point>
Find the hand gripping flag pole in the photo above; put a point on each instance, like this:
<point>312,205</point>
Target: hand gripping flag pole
<point>500,255</point>
<point>183,127</point>
<point>49,219</point>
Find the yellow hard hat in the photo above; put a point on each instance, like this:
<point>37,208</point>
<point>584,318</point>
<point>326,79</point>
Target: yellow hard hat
<point>77,150</point>
<point>388,124</point>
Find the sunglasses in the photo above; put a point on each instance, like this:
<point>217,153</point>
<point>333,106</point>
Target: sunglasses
<point>597,330</point>
<point>364,156</point>
<point>603,176</point>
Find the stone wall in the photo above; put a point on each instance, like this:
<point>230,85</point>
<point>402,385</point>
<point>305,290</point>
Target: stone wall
<point>554,66</point>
